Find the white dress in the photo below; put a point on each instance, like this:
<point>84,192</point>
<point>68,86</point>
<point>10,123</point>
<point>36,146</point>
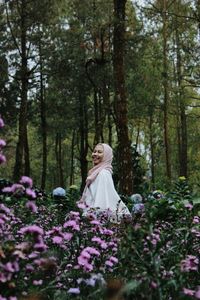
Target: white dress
<point>101,195</point>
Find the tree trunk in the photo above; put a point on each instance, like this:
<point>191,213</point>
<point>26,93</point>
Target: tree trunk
<point>71,181</point>
<point>58,150</point>
<point>96,119</point>
<point>183,121</point>
<point>43,123</point>
<point>120,100</point>
<point>152,150</point>
<point>22,131</point>
<point>83,130</point>
<point>26,154</point>
<point>166,92</point>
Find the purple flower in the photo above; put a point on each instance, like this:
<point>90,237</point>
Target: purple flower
<point>1,297</point>
<point>95,222</point>
<point>74,213</point>
<point>17,188</point>
<point>9,267</point>
<point>39,244</point>
<point>1,123</point>
<point>82,261</point>
<point>26,181</point>
<point>4,208</point>
<point>38,282</point>
<point>97,239</point>
<point>29,268</point>
<point>190,263</point>
<point>196,220</point>
<point>188,292</point>
<point>88,267</point>
<point>113,259</point>
<point>153,284</point>
<point>108,263</point>
<point>67,236</point>
<point>31,229</point>
<point>30,193</point>
<point>7,189</point>
<point>2,143</point>
<point>2,158</point>
<point>57,240</point>
<point>92,250</point>
<point>73,224</point>
<point>32,206</point>
<point>189,206</point>
<point>197,293</point>
<point>74,291</point>
<point>81,205</point>
<point>85,254</point>
<point>108,232</point>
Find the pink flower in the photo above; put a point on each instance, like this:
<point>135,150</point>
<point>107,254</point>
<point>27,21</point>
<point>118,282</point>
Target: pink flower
<point>40,246</point>
<point>31,229</point>
<point>97,239</point>
<point>197,293</point>
<point>153,284</point>
<point>73,224</point>
<point>113,259</point>
<point>81,205</point>
<point>2,159</point>
<point>1,123</point>
<point>82,261</point>
<point>67,236</point>
<point>92,250</point>
<point>74,213</point>
<point>4,208</point>
<point>108,263</point>
<point>7,189</point>
<point>195,220</point>
<point>189,206</point>
<point>188,292</point>
<point>108,232</point>
<point>2,143</point>
<point>26,181</point>
<point>95,222</point>
<point>190,263</point>
<point>57,240</point>
<point>17,188</point>
<point>88,267</point>
<point>85,254</point>
<point>30,193</point>
<point>38,282</point>
<point>32,206</point>
<point>9,267</point>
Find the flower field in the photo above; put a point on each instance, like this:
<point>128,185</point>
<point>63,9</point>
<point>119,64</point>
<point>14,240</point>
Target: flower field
<point>49,250</point>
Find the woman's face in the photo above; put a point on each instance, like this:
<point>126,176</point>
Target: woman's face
<point>97,154</point>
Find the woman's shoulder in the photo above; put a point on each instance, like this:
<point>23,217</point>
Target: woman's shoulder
<point>104,175</point>
<point>104,172</point>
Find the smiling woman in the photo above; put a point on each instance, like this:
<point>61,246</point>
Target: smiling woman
<point>99,193</point>
<point>97,155</point>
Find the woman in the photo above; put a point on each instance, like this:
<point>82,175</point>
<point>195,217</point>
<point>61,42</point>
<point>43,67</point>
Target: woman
<point>99,192</point>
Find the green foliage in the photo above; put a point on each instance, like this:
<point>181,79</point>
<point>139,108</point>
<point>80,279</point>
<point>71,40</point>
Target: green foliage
<point>154,248</point>
<point>181,190</point>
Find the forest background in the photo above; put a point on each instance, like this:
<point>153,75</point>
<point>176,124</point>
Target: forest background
<point>74,73</point>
